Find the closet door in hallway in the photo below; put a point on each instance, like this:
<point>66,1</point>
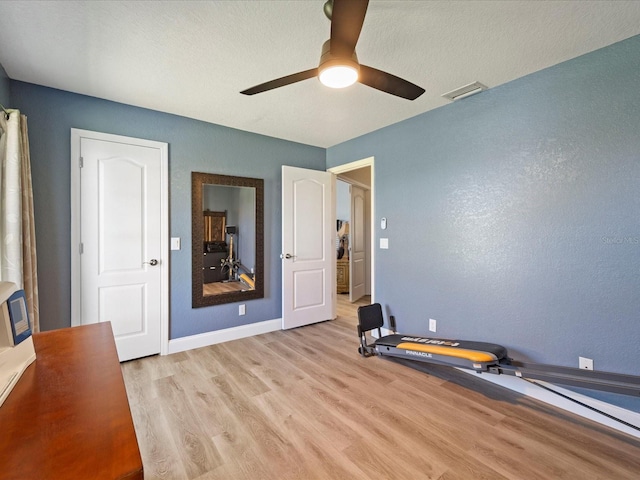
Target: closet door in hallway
<point>357,245</point>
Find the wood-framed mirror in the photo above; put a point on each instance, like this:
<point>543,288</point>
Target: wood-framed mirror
<point>227,241</point>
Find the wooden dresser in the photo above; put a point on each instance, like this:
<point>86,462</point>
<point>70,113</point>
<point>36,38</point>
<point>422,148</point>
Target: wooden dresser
<point>342,276</point>
<point>68,417</point>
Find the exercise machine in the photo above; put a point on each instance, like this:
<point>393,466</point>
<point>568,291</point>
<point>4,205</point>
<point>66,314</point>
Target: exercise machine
<point>481,357</point>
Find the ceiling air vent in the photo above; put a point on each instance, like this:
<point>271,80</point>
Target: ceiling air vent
<point>466,91</point>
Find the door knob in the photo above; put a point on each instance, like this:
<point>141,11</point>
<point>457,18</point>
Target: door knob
<point>287,256</point>
<point>153,262</point>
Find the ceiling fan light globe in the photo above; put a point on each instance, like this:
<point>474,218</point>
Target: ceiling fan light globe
<point>339,76</point>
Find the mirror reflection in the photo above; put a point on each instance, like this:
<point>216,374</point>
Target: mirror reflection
<point>227,232</point>
<point>228,241</point>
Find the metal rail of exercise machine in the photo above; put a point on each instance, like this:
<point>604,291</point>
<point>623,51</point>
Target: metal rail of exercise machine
<point>481,357</point>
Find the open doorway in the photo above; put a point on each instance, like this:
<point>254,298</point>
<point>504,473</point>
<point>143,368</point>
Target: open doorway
<point>354,234</point>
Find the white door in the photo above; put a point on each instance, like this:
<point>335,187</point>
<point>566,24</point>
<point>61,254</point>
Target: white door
<point>122,253</point>
<point>308,246</point>
<point>357,245</point>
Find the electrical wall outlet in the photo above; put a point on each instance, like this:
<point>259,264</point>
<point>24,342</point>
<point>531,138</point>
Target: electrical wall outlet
<point>241,310</point>
<point>432,325</point>
<point>585,363</point>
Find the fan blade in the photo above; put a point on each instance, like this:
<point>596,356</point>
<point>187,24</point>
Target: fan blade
<point>388,83</point>
<point>281,82</point>
<point>346,22</point>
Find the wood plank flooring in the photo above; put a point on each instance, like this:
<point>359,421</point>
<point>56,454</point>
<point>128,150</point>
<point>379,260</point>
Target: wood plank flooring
<point>302,404</point>
<point>223,287</point>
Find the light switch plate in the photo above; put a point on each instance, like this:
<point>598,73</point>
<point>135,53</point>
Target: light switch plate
<point>175,243</point>
<point>384,243</point>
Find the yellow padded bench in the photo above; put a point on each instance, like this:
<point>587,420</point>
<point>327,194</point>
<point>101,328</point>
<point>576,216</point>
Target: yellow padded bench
<point>460,353</point>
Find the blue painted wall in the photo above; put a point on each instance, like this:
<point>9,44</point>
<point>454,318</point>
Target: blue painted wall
<point>5,88</point>
<point>514,215</point>
<point>193,146</point>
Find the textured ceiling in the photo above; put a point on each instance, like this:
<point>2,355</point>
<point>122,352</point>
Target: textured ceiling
<point>192,58</point>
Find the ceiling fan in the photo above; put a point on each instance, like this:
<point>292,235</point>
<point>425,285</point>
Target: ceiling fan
<point>339,66</point>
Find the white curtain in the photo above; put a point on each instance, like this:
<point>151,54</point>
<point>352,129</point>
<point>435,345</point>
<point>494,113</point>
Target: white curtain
<point>17,232</point>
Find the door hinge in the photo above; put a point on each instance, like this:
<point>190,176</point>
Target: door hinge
<point>81,248</point>
<point>81,162</point>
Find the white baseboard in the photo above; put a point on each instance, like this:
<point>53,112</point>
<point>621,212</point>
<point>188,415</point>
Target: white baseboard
<point>529,389</point>
<point>219,336</point>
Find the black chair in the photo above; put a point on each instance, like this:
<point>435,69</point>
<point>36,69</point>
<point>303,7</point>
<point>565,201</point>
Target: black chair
<point>369,318</point>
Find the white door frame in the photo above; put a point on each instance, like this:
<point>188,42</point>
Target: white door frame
<point>76,135</point>
<point>347,167</point>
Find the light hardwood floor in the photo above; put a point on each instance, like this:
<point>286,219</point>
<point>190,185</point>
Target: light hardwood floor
<point>222,287</point>
<point>302,404</point>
